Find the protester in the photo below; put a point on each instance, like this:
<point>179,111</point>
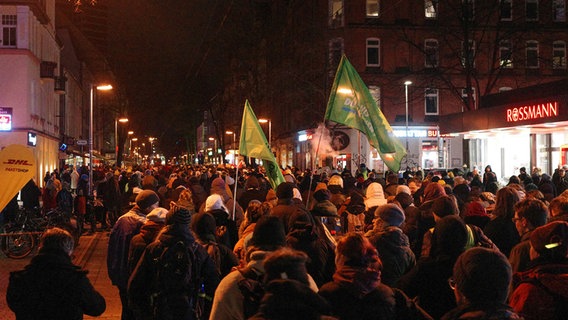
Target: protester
<point>501,229</point>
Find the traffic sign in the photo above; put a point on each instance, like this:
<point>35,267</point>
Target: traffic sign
<point>81,142</point>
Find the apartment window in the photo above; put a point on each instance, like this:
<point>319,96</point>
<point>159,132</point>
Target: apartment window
<point>431,9</point>
<point>9,22</point>
<point>559,55</point>
<point>372,8</point>
<point>465,97</point>
<point>532,54</point>
<point>559,10</point>
<point>531,10</point>
<point>373,52</point>
<point>468,53</point>
<point>506,10</point>
<point>431,101</point>
<point>505,54</point>
<point>431,53</point>
<point>336,13</point>
<point>468,9</point>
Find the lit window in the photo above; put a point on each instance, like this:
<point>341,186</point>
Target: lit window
<point>559,55</point>
<point>531,10</point>
<point>532,54</point>
<point>373,52</point>
<point>559,10</point>
<point>431,53</point>
<point>336,13</point>
<point>431,9</point>
<point>465,97</point>
<point>468,53</point>
<point>431,101</point>
<point>505,54</point>
<point>506,10</point>
<point>9,22</point>
<point>372,8</point>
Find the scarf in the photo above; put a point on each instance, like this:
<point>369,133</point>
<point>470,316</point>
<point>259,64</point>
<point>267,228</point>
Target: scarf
<point>360,281</point>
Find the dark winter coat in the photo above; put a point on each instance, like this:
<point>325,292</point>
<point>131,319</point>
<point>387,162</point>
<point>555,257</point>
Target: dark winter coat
<point>394,250</point>
<point>503,233</point>
<point>51,287</point>
<point>142,283</point>
<point>482,312</point>
<point>148,233</point>
<point>288,212</point>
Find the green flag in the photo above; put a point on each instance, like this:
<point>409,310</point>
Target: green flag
<point>351,104</point>
<point>253,144</point>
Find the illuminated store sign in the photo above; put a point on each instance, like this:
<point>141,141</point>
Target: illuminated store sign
<point>5,119</point>
<point>536,111</point>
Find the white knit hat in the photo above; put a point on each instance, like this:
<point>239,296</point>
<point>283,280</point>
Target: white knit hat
<point>214,202</point>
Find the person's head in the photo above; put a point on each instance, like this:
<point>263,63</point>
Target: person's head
<point>505,201</point>
<point>204,226</point>
<point>444,206</point>
<point>56,239</point>
<point>449,237</point>
<point>286,263</point>
<point>271,197</point>
<point>252,183</point>
<point>354,250</point>
<point>481,276</point>
<point>388,215</point>
<point>285,191</point>
<point>185,200</point>
<point>157,215</point>
<point>550,242</point>
<point>268,234</point>
<point>215,202</point>
<point>433,191</point>
<point>147,200</point>
<point>256,210</point>
<point>529,215</point>
<point>558,207</point>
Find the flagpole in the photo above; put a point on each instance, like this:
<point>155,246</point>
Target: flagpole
<point>235,192</point>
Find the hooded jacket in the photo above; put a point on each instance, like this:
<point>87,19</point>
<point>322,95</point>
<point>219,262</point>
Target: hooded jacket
<point>375,196</point>
<point>218,186</point>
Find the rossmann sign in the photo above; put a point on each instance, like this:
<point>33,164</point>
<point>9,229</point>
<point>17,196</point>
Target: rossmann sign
<point>532,112</point>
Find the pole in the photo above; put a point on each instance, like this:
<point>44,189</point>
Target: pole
<point>116,141</point>
<point>91,106</point>
<point>270,133</point>
<point>235,150</point>
<point>406,84</point>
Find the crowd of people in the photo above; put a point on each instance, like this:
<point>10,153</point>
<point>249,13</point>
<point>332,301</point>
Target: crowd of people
<point>198,242</point>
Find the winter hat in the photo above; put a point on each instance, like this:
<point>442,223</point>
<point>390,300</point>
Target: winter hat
<point>375,195</point>
<point>391,214</point>
<point>551,239</point>
<point>146,198</point>
<point>252,182</point>
<point>356,204</point>
<point>214,202</point>
<point>475,208</point>
<point>185,200</point>
<point>404,199</point>
<point>286,263</point>
<point>204,225</point>
<point>268,234</point>
<point>335,180</point>
<point>157,215</point>
<point>271,195</point>
<point>530,186</point>
<point>320,186</point>
<point>483,275</point>
<point>178,216</point>
<point>321,193</point>
<point>218,184</point>
<point>444,206</point>
<point>449,237</point>
<point>402,189</point>
<point>285,190</point>
<point>84,177</point>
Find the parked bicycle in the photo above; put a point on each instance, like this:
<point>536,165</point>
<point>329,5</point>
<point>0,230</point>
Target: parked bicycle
<point>21,236</point>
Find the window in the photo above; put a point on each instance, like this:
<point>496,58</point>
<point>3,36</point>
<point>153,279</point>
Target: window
<point>336,13</point>
<point>465,98</point>
<point>431,101</point>
<point>506,10</point>
<point>505,54</point>
<point>431,53</point>
<point>431,9</point>
<point>335,53</point>
<point>559,55</point>
<point>372,8</point>
<point>531,9</point>
<point>532,54</point>
<point>468,9</point>
<point>373,52</point>
<point>468,54</point>
<point>9,22</point>
<point>559,10</point>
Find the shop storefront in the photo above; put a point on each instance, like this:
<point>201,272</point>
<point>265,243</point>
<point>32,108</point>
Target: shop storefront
<point>520,128</point>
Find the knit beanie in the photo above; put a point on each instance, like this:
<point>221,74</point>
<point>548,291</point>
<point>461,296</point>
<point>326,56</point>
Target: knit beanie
<point>268,234</point>
<point>357,203</point>
<point>204,225</point>
<point>551,240</point>
<point>178,215</point>
<point>146,198</point>
<point>391,214</point>
<point>444,206</point>
<point>158,215</point>
<point>402,189</point>
<point>483,275</point>
<point>475,208</point>
<point>404,199</point>
<point>285,190</point>
<point>286,263</point>
<point>214,202</point>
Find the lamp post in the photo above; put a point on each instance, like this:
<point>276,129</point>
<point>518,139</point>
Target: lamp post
<point>234,146</point>
<point>269,129</point>
<point>116,149</point>
<point>214,151</point>
<point>135,153</point>
<point>105,87</point>
<point>151,139</point>
<point>406,84</point>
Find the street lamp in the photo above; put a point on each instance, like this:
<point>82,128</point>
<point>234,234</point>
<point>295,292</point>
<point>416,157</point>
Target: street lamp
<point>104,87</point>
<point>151,139</point>
<point>269,129</point>
<point>116,121</point>
<point>135,154</point>
<point>234,146</point>
<point>215,152</point>
<point>406,84</point>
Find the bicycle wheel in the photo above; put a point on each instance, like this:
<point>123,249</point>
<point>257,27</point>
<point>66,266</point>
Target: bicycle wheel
<point>17,245</point>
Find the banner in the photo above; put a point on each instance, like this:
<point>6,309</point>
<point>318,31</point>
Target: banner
<point>17,167</point>
<point>351,104</point>
<point>253,143</point>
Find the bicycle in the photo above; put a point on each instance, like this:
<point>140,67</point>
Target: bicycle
<point>21,236</point>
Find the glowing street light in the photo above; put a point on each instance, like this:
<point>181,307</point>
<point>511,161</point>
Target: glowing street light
<point>234,145</point>
<point>269,129</point>
<point>92,91</point>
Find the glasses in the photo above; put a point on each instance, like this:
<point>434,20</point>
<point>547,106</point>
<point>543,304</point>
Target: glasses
<point>452,283</point>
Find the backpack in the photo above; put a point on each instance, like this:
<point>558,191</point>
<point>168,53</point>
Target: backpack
<point>176,282</point>
<point>356,222</point>
<point>215,254</point>
<point>560,302</point>
<point>252,289</point>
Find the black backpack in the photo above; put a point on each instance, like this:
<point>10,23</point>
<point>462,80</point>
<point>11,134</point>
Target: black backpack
<point>252,289</point>
<point>177,282</point>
